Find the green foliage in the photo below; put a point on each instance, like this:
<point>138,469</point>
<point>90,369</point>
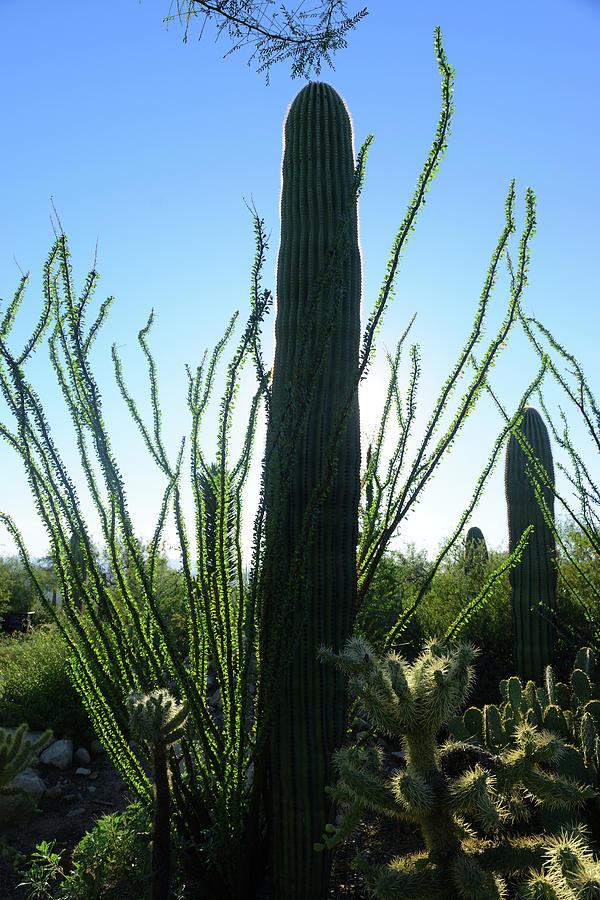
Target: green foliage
<point>17,593</point>
<point>467,813</point>
<point>35,684</point>
<point>576,387</point>
<point>397,577</point>
<point>171,591</point>
<point>110,862</point>
<point>490,627</point>
<point>123,643</point>
<point>296,36</point>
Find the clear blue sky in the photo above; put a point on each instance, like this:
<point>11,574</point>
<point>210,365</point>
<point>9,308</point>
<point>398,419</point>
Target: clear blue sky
<point>150,146</point>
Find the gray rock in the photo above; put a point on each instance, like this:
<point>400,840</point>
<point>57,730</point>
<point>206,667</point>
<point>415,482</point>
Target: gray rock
<point>15,808</point>
<point>83,771</point>
<point>59,754</point>
<point>76,812</point>
<point>82,756</point>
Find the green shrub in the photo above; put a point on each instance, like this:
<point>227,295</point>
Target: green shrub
<point>390,593</point>
<point>489,628</point>
<point>110,861</point>
<point>17,593</point>
<point>35,685</point>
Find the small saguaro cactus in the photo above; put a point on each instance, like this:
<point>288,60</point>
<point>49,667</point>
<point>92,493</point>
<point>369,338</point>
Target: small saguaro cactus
<point>466,812</point>
<point>159,719</point>
<point>533,579</point>
<point>475,549</point>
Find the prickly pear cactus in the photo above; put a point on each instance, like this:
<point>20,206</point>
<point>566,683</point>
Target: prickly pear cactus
<point>452,805</point>
<point>533,580</point>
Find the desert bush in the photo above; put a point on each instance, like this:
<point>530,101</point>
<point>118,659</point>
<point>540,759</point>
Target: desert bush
<point>35,686</point>
<point>17,594</point>
<point>110,861</point>
<point>490,628</point>
<point>397,576</point>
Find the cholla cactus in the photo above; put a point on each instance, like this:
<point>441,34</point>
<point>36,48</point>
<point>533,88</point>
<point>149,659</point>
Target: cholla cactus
<point>16,753</point>
<point>571,872</point>
<point>159,719</point>
<point>465,811</point>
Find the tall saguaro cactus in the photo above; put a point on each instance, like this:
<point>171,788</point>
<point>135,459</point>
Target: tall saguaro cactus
<point>533,580</point>
<point>312,478</point>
